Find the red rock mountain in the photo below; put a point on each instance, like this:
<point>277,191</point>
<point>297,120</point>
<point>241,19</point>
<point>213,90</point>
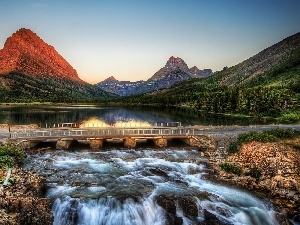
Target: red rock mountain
<point>27,53</point>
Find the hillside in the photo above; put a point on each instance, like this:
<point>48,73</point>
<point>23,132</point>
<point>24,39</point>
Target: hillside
<point>270,66</point>
<point>18,87</point>
<point>265,84</point>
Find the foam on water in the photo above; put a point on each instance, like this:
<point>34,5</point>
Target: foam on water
<point>121,188</point>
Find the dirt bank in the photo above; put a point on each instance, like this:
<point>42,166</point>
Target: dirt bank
<point>271,170</point>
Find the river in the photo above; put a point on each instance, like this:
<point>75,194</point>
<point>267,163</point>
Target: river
<point>137,187</point>
<point>143,186</point>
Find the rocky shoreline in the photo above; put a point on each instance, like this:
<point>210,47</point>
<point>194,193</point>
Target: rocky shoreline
<point>22,200</point>
<point>278,164</point>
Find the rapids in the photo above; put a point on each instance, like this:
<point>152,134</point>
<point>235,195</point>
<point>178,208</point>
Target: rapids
<point>142,187</point>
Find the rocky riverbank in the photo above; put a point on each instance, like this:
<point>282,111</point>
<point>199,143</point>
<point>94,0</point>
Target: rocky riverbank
<point>276,173</point>
<point>22,201</point>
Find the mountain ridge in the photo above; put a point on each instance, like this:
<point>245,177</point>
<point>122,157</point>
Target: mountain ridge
<point>174,71</point>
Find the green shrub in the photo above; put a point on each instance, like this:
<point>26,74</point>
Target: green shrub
<point>233,147</point>
<point>255,136</point>
<point>230,168</point>
<point>283,133</point>
<point>265,136</point>
<point>289,117</point>
<point>254,172</point>
<point>6,162</point>
<point>12,150</point>
<point>248,137</point>
<point>12,181</point>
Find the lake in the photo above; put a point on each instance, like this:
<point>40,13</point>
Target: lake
<point>44,114</point>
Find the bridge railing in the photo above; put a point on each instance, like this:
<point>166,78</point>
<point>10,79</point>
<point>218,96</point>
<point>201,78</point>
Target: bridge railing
<point>101,132</point>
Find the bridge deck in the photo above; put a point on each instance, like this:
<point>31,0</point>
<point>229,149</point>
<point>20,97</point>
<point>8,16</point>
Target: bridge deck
<point>105,133</point>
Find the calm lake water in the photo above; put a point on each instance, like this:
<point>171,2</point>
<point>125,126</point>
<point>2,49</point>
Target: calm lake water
<point>31,114</point>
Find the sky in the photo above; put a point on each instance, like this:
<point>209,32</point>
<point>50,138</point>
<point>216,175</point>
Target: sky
<point>133,39</point>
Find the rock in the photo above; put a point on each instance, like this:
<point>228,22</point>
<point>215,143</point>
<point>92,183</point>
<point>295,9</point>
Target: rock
<point>23,202</point>
<point>173,220</point>
<point>211,219</point>
<point>158,172</point>
<point>279,167</point>
<point>188,206</point>
<point>167,202</point>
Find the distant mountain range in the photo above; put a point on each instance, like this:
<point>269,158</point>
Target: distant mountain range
<point>175,70</point>
<point>31,70</point>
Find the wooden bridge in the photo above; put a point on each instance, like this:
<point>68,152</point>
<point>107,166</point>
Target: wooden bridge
<point>96,137</point>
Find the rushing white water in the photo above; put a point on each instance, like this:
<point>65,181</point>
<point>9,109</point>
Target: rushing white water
<point>142,188</point>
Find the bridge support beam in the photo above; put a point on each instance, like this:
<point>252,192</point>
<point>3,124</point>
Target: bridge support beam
<point>160,142</point>
<point>190,141</point>
<point>64,143</point>
<point>28,144</point>
<point>96,143</point>
<point>130,143</point>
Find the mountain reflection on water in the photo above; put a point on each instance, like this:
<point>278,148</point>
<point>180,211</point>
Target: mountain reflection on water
<point>44,114</point>
<point>142,187</point>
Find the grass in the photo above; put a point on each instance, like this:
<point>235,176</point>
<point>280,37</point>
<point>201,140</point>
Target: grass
<point>289,117</point>
<point>10,155</point>
<point>265,136</point>
<point>230,168</point>
<point>254,172</point>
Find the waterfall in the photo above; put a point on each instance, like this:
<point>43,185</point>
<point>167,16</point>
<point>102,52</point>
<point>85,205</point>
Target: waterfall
<point>142,188</point>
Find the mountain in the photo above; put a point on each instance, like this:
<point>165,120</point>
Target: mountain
<point>175,70</point>
<point>277,58</point>
<point>27,53</point>
<point>200,73</point>
<point>266,84</point>
<point>173,64</point>
<point>121,88</point>
<point>194,70</point>
<point>32,70</point>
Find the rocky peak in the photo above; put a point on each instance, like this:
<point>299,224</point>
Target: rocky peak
<point>172,60</point>
<point>27,53</point>
<point>111,78</point>
<point>175,63</point>
<point>194,70</point>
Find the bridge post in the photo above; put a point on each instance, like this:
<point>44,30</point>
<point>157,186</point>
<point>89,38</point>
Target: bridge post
<point>160,142</point>
<point>130,142</point>
<point>64,143</point>
<point>96,143</point>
